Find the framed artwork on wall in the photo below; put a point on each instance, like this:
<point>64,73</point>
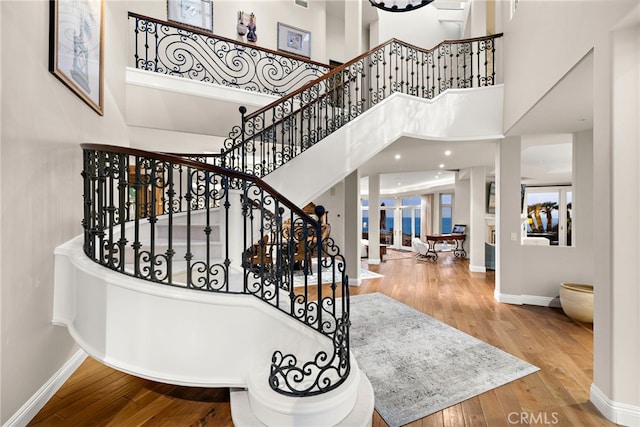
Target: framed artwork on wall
<point>491,198</point>
<point>193,13</point>
<point>76,48</point>
<point>294,40</point>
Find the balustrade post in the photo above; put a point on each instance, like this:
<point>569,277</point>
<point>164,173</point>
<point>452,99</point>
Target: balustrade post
<point>243,149</point>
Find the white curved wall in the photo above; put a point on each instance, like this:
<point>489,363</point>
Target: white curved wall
<point>186,337</point>
<point>171,334</point>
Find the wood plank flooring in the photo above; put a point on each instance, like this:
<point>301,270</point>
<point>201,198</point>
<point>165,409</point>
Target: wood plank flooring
<point>558,394</point>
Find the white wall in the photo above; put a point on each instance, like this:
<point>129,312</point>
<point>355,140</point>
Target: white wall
<point>333,202</point>
<point>570,29</point>
<point>171,142</point>
<point>532,274</point>
<point>477,20</point>
<point>420,28</point>
<point>43,124</point>
<point>335,35</point>
<point>621,291</point>
<point>462,207</point>
<point>566,264</point>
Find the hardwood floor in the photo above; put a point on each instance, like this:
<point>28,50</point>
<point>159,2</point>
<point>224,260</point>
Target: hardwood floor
<point>558,394</point>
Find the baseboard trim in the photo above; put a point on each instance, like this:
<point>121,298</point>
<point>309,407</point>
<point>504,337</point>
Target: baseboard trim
<point>529,300</point>
<point>355,282</point>
<point>541,301</point>
<point>508,299</point>
<point>477,268</point>
<point>31,408</point>
<point>619,413</point>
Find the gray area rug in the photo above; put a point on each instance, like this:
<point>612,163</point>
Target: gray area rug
<point>418,365</point>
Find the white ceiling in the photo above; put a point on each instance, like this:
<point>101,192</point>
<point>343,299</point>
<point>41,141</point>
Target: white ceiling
<point>424,164</point>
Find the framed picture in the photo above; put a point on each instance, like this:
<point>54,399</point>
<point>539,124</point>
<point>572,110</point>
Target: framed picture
<point>76,48</point>
<point>294,40</point>
<point>491,198</point>
<point>194,13</point>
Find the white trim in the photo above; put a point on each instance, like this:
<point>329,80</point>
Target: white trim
<point>150,79</point>
<point>373,261</point>
<point>541,301</point>
<point>31,408</point>
<point>619,413</point>
<point>355,282</point>
<point>528,299</point>
<point>508,299</point>
<point>477,268</point>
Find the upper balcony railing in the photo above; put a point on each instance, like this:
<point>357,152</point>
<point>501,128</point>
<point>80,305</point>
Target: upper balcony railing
<point>178,50</point>
<point>276,133</point>
<point>183,222</point>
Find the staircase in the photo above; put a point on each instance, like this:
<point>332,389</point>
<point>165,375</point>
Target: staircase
<point>165,284</point>
<point>448,92</point>
<point>185,271</point>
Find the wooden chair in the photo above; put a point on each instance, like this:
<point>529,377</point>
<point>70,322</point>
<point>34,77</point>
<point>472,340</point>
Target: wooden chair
<point>313,245</point>
<point>302,256</point>
<point>260,254</point>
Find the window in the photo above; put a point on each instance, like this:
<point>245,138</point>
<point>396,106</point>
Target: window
<point>399,221</point>
<point>386,220</point>
<point>549,211</point>
<point>446,212</point>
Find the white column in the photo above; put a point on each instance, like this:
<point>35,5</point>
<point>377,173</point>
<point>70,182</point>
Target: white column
<point>616,162</point>
<point>352,230</point>
<point>235,225</point>
<point>508,283</point>
<point>374,219</point>
<point>476,228</point>
<point>352,29</point>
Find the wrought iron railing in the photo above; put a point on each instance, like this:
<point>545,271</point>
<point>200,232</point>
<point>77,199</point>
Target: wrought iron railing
<point>178,50</point>
<point>182,222</point>
<point>273,135</point>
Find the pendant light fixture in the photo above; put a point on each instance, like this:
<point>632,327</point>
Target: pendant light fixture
<point>399,5</point>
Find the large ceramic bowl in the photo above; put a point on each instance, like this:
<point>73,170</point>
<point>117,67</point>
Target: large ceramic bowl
<point>577,301</point>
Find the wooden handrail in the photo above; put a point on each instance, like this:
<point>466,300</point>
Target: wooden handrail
<point>172,158</point>
<point>342,67</point>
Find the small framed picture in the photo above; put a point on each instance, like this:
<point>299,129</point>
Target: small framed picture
<point>193,13</point>
<point>294,40</point>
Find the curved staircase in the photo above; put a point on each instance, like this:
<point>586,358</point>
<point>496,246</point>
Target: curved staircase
<point>160,286</point>
<point>185,270</point>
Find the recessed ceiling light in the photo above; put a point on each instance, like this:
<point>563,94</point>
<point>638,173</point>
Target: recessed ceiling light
<point>447,153</point>
<point>441,165</point>
<point>397,156</point>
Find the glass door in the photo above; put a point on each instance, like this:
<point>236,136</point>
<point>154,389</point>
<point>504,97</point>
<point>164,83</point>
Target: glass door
<point>409,222</point>
<point>387,223</point>
<point>410,226</point>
